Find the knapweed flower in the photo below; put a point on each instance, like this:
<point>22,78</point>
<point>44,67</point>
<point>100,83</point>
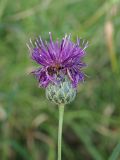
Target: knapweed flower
<point>60,65</point>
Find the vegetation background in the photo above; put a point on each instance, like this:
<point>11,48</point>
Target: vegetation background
<point>28,122</point>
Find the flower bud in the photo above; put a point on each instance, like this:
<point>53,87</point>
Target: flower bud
<point>61,93</point>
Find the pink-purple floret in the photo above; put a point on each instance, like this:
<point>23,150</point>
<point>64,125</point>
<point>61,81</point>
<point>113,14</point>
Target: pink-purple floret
<point>58,60</point>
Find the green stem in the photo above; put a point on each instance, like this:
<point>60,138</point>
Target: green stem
<point>61,113</point>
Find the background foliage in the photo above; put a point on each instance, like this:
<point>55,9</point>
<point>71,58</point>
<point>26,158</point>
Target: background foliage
<point>28,122</point>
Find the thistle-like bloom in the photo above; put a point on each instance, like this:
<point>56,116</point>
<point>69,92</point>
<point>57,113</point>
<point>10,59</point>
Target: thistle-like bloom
<point>58,60</point>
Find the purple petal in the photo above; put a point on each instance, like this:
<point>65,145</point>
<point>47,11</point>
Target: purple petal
<point>61,58</point>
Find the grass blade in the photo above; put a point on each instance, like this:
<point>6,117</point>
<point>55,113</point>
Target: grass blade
<point>116,153</point>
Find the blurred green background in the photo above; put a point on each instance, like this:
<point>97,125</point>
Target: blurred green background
<point>28,122</point>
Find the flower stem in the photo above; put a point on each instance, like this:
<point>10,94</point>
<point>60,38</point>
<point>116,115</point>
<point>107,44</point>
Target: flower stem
<point>61,113</point>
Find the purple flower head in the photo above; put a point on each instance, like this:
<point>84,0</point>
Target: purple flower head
<point>58,60</point>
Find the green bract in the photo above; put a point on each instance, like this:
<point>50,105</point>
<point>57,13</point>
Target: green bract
<point>62,93</point>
